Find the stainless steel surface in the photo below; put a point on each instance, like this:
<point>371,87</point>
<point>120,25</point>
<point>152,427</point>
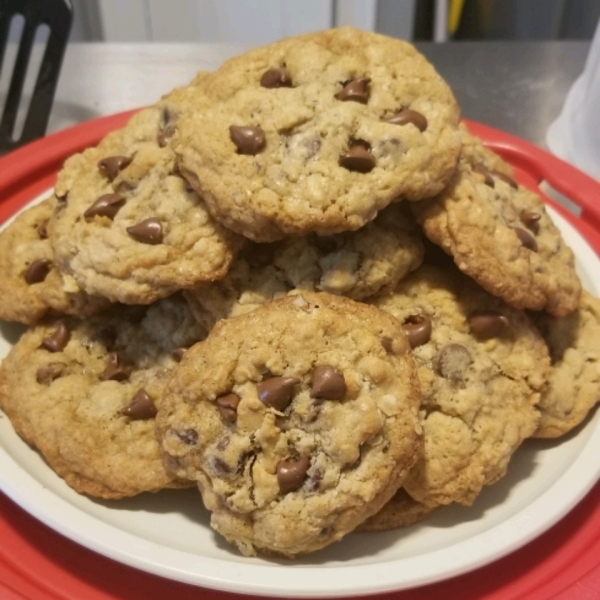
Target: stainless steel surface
<point>518,87</point>
<point>515,86</point>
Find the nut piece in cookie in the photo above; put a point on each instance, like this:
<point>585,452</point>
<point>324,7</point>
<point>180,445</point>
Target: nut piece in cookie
<point>303,423</point>
<point>574,383</point>
<point>84,393</point>
<point>317,133</point>
<point>482,366</point>
<point>31,285</point>
<point>500,234</point>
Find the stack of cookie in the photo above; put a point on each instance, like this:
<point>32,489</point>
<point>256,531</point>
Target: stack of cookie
<point>302,286</point>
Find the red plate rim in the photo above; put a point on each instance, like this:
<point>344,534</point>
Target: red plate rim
<point>37,563</point>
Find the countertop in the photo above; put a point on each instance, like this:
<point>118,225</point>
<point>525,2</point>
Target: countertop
<point>518,87</point>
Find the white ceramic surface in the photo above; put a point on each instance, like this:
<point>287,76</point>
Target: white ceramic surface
<point>168,534</point>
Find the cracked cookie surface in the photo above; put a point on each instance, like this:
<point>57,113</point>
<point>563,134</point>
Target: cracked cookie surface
<point>31,286</point>
<point>481,366</point>
<point>85,393</point>
<point>304,422</point>
<point>316,133</point>
<point>355,264</point>
<point>574,383</point>
<point>128,226</point>
<point>500,234</point>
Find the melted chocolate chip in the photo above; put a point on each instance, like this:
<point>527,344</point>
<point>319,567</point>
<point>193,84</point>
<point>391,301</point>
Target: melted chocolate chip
<point>164,136</point>
<point>227,405</point>
<point>418,329</point>
<point>406,116</point>
<point>141,407</point>
<point>188,436</point>
<point>115,370</point>
<point>327,383</point>
<point>178,353</point>
<point>218,466</point>
<point>503,177</point>
<point>276,78</point>
<point>248,140</point>
<point>42,230</point>
<point>111,165</point>
<point>107,205</point>
<point>488,324</point>
<point>355,90</point>
<point>526,239</point>
<point>148,231</point>
<point>48,373</point>
<point>358,158</point>
<point>37,271</point>
<point>59,339</point>
<point>277,392</point>
<point>531,220</point>
<point>453,362</point>
<point>487,176</point>
<point>291,474</point>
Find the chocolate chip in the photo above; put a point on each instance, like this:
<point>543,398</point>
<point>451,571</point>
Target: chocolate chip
<point>358,158</point>
<point>453,362</point>
<point>406,116</point>
<point>107,205</point>
<point>277,392</point>
<point>248,140</point>
<point>314,481</point>
<point>42,230</point>
<point>115,370</point>
<point>418,329</point>
<point>526,239</point>
<point>328,383</point>
<point>291,473</point>
<point>503,177</point>
<point>488,324</point>
<point>164,136</point>
<point>218,466</point>
<point>59,339</point>
<point>188,436</point>
<point>111,165</point>
<point>531,220</point>
<point>141,407</point>
<point>37,271</point>
<point>355,90</point>
<point>178,353</point>
<point>227,405</point>
<point>223,443</point>
<point>148,231</point>
<point>276,78</point>
<point>48,373</point>
<point>487,176</point>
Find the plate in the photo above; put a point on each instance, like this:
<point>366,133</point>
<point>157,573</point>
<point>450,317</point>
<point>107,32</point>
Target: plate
<point>167,534</point>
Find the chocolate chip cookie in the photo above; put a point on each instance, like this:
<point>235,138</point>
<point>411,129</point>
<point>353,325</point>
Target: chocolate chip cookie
<point>31,285</point>
<point>85,394</point>
<point>303,423</point>
<point>128,226</point>
<point>482,366</point>
<point>355,264</point>
<point>574,383</point>
<point>317,133</point>
<point>500,234</point>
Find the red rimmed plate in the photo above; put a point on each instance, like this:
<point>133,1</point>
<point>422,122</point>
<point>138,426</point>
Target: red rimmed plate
<point>36,563</point>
